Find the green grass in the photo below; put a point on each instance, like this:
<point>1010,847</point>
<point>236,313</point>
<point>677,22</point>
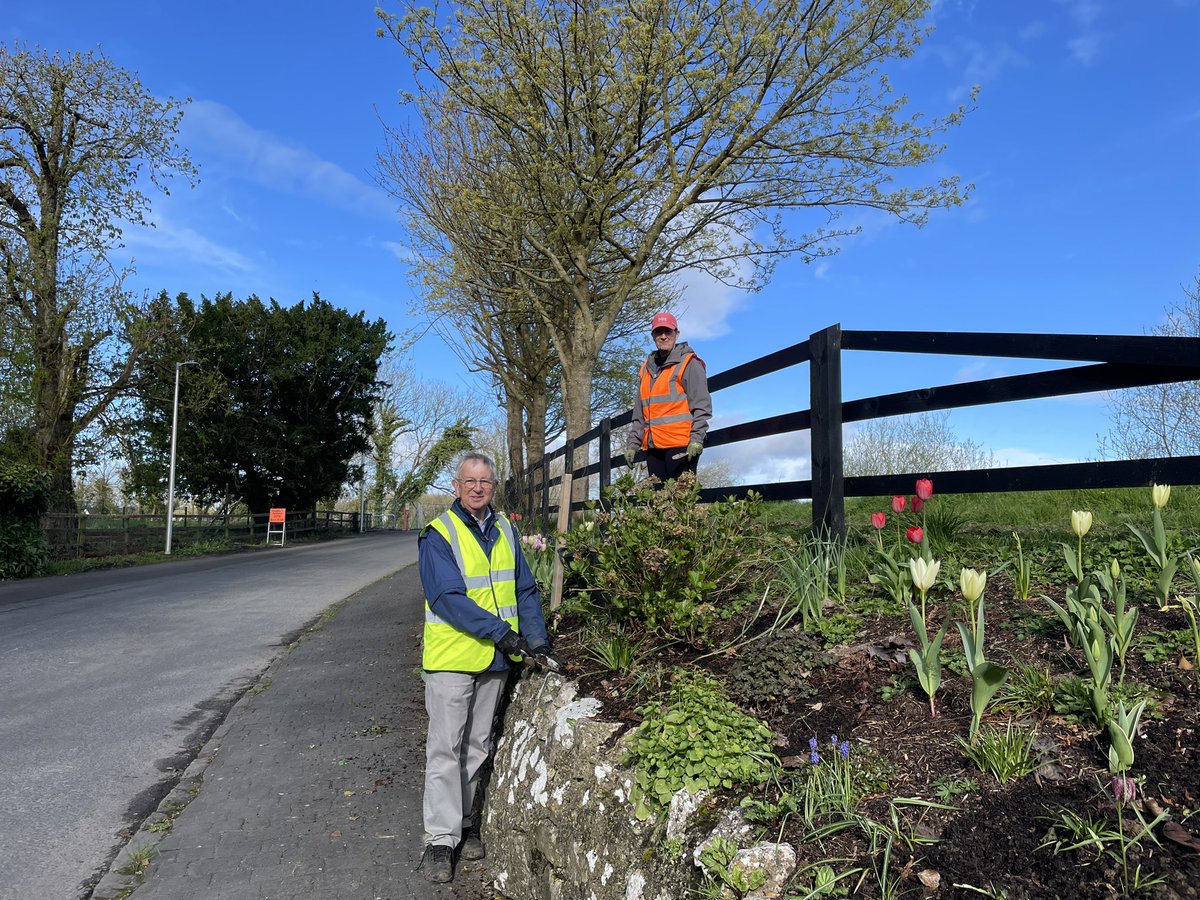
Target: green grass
<point>1048,511</point>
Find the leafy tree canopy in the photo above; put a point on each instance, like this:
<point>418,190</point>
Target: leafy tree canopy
<point>276,407</point>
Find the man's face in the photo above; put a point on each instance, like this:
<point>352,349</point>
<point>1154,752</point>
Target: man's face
<point>665,338</point>
<point>474,487</point>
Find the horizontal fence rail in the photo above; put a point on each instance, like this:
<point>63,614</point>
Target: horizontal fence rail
<point>1116,362</point>
<point>85,534</point>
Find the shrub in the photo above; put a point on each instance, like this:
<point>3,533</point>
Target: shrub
<point>661,561</point>
<point>24,496</point>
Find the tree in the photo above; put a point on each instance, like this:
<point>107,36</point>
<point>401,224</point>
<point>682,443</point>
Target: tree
<point>1160,419</point>
<point>412,415</point>
<point>918,444</point>
<point>640,140</point>
<point>474,291</point>
<point>276,410</point>
<point>76,135</point>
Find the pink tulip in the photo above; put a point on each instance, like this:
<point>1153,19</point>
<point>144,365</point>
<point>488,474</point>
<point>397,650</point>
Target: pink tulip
<point>918,504</point>
<point>878,519</point>
<point>924,488</point>
<point>915,534</point>
<point>898,504</point>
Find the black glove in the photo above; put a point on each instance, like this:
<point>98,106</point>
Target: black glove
<point>542,658</point>
<point>512,644</point>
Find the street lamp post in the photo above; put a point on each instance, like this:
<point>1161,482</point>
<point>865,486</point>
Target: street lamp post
<point>171,475</point>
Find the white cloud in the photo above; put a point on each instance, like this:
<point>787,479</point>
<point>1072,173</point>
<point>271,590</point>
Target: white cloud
<point>168,240</point>
<point>705,305</point>
<point>274,162</point>
<point>978,64</point>
<point>1008,457</point>
<point>1085,46</point>
<point>400,251</point>
<point>781,457</point>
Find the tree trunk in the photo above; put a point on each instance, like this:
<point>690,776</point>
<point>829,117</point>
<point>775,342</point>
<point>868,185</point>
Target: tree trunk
<point>577,409</point>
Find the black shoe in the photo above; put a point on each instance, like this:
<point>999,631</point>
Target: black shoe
<point>438,863</point>
<point>472,845</point>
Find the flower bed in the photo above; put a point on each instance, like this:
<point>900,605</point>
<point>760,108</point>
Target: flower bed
<point>1024,728</point>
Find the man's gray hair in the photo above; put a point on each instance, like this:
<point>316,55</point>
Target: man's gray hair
<point>475,456</point>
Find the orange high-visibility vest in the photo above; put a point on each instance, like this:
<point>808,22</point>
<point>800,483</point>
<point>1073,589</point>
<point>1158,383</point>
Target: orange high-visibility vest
<point>665,408</point>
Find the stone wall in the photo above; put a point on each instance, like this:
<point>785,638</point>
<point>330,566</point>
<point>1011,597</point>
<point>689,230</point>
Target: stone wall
<point>559,824</point>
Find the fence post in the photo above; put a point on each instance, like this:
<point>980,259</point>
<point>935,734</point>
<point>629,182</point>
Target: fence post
<point>568,469</point>
<point>545,485</point>
<point>605,452</point>
<point>825,394</point>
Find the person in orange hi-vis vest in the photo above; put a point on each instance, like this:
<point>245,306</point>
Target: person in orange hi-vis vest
<point>670,417</point>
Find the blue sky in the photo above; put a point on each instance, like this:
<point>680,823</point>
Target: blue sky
<point>1083,218</point>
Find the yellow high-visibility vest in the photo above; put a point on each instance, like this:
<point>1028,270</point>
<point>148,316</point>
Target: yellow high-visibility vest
<point>491,584</point>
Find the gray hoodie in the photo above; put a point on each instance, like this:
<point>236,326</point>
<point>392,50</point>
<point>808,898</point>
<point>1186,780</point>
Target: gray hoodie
<point>695,385</point>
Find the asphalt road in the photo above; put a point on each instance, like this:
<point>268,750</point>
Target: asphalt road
<point>110,682</point>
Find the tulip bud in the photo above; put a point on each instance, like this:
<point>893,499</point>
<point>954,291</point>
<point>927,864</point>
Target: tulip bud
<point>972,584</point>
<point>924,488</point>
<point>1081,522</point>
<point>915,534</point>
<point>1115,568</point>
<point>898,504</point>
<point>1161,493</point>
<point>917,504</point>
<point>878,519</point>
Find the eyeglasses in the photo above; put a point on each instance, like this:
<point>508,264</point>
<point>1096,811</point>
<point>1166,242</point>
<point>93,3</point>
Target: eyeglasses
<point>471,483</point>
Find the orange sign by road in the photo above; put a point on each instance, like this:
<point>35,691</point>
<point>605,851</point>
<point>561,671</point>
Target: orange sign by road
<point>278,514</point>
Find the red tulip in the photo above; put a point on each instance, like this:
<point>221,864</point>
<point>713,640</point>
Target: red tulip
<point>915,534</point>
<point>918,504</point>
<point>898,504</point>
<point>924,488</point>
<point>878,519</point>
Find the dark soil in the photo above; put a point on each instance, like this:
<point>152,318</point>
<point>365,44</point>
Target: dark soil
<point>993,839</point>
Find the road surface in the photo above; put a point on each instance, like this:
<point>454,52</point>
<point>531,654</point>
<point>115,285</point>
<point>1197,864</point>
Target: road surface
<point>110,682</point>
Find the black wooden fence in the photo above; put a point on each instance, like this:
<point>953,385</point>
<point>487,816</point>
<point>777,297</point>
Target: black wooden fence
<point>1118,361</point>
<point>81,534</point>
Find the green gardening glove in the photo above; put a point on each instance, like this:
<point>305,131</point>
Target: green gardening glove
<point>694,449</point>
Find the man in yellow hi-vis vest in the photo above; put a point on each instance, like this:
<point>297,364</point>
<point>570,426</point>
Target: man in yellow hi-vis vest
<point>482,611</point>
<point>670,416</point>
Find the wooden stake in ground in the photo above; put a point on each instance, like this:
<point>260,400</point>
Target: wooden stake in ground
<point>564,519</point>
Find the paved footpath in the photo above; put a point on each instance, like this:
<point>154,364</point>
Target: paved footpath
<point>311,788</point>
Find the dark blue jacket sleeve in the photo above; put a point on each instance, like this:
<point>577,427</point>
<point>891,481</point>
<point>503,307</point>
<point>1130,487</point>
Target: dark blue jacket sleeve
<point>446,591</point>
<point>529,604</point>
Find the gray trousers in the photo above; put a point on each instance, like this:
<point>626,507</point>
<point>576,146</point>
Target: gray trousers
<point>461,708</point>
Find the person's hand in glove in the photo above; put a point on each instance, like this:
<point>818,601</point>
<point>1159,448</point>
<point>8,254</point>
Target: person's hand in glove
<point>544,659</point>
<point>694,449</point>
<point>512,644</point>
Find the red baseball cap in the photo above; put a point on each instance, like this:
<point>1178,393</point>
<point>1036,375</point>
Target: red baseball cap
<point>664,320</point>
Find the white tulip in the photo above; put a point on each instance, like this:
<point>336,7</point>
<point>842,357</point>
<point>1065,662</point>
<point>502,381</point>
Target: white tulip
<point>924,574</point>
<point>1161,494</point>
<point>1081,522</point>
<point>972,584</point>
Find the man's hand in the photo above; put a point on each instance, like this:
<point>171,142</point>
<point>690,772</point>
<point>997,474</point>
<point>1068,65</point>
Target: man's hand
<point>542,658</point>
<point>512,644</point>
<point>694,449</point>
